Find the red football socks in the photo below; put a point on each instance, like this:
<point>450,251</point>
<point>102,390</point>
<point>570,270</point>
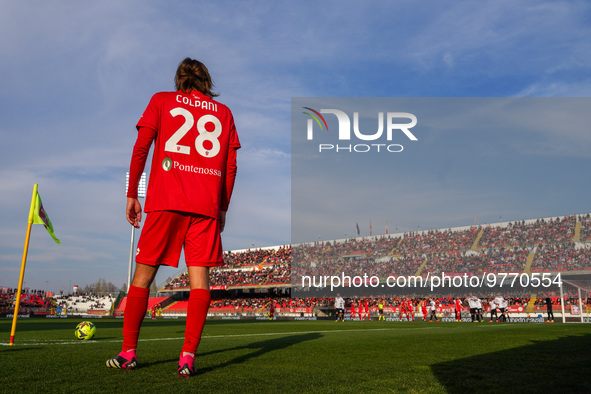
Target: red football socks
<point>135,310</point>
<point>196,314</point>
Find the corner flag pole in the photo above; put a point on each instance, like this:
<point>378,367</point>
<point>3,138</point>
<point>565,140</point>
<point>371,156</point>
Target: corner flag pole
<point>24,261</point>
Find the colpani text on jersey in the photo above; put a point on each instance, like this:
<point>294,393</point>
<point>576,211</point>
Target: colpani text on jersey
<point>194,102</point>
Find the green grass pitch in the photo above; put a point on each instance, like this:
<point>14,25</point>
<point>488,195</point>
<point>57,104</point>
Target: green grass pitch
<point>303,356</point>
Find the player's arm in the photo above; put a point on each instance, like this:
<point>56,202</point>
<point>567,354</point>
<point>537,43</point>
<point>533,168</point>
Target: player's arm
<point>141,149</point>
<point>231,168</point>
<point>228,186</point>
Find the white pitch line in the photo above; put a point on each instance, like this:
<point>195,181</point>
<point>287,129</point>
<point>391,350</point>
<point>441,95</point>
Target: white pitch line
<point>220,336</point>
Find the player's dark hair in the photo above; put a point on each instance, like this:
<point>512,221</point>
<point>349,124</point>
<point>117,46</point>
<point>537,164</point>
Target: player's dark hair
<point>193,75</point>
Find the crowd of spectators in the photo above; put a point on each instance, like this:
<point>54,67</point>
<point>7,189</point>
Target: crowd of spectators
<point>31,300</point>
<point>585,228</point>
<point>83,303</point>
<point>255,275</point>
<point>501,248</point>
<point>561,257</point>
<point>528,234</point>
<point>39,302</point>
<point>275,274</point>
<point>258,303</point>
<point>279,256</point>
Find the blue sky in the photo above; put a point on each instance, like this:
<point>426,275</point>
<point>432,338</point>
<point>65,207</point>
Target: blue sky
<point>76,77</point>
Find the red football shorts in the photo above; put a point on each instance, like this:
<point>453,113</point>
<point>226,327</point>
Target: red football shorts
<point>166,233</point>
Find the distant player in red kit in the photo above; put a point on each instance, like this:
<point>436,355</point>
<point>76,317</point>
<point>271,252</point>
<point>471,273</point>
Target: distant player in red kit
<point>366,310</point>
<point>458,305</point>
<point>404,309</point>
<point>424,309</point>
<point>411,309</point>
<point>360,310</point>
<point>352,316</point>
<point>191,182</point>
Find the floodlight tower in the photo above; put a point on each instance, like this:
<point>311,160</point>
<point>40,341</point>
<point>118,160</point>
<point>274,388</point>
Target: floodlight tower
<point>141,193</point>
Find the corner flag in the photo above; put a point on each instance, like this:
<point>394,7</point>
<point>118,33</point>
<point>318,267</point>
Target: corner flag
<point>36,215</point>
<point>41,217</point>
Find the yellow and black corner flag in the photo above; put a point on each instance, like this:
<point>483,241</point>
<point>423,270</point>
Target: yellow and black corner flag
<point>38,215</point>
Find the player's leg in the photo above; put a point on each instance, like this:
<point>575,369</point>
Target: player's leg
<point>203,248</point>
<point>137,303</point>
<point>135,310</point>
<point>158,244</point>
<point>199,299</point>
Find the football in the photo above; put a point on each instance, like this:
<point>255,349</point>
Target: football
<point>85,330</point>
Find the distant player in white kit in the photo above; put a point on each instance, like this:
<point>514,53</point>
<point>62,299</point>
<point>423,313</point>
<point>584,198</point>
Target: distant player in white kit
<point>339,304</point>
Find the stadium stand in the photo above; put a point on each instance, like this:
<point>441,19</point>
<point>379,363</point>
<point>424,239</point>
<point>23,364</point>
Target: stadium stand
<point>86,304</point>
<point>253,279</point>
<point>250,280</point>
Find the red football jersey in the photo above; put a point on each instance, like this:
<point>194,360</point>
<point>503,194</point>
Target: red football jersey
<point>194,160</point>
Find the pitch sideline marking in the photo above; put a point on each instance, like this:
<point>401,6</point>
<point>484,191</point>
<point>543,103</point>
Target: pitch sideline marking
<point>219,336</point>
